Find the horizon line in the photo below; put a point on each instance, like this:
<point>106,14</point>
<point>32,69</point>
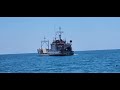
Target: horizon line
<point>75,51</point>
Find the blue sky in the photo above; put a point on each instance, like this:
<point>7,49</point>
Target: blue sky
<point>23,34</point>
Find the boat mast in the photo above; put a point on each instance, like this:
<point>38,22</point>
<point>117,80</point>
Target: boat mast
<point>60,33</point>
<point>45,41</point>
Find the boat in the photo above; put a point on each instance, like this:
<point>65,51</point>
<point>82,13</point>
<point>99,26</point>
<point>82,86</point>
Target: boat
<point>59,47</point>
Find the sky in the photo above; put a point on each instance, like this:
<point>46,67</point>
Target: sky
<point>24,34</point>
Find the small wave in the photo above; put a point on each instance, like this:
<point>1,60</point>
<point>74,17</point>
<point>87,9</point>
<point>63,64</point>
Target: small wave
<point>75,54</point>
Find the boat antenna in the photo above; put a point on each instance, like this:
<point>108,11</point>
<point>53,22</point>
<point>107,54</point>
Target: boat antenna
<point>55,33</point>
<point>44,38</point>
<point>60,32</point>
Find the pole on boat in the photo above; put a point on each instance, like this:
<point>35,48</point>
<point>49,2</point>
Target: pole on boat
<point>60,32</point>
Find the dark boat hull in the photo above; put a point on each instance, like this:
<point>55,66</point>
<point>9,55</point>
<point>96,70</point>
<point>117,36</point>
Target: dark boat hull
<point>62,54</point>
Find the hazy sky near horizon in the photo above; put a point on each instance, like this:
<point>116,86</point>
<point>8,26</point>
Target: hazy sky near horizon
<point>23,34</point>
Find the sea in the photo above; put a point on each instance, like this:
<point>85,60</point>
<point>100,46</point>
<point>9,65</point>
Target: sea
<point>96,61</point>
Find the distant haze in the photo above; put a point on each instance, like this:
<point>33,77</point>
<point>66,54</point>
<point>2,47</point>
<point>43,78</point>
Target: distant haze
<point>24,34</point>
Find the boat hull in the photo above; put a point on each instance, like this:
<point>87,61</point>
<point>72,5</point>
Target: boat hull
<point>61,54</point>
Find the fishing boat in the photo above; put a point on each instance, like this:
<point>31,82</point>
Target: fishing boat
<point>59,47</point>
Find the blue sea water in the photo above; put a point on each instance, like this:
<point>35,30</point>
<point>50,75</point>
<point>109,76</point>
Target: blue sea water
<point>99,61</point>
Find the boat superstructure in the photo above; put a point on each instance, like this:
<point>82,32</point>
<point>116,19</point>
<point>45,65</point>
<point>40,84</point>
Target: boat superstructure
<point>44,51</point>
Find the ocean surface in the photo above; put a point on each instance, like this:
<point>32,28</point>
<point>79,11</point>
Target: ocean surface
<point>99,61</point>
